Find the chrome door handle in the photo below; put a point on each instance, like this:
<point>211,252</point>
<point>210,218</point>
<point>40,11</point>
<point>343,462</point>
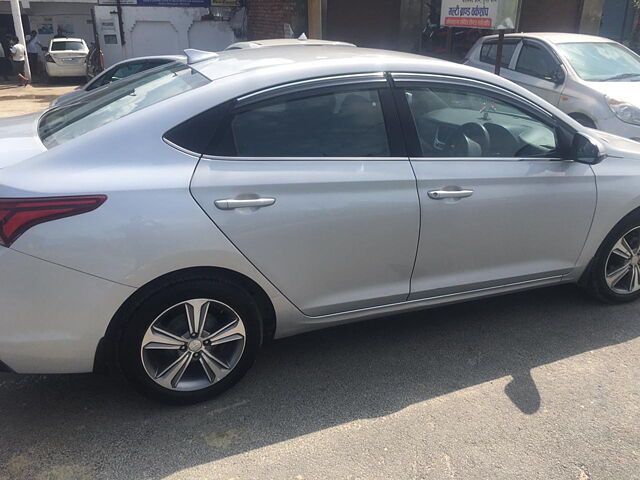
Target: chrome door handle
<point>230,203</point>
<point>442,194</point>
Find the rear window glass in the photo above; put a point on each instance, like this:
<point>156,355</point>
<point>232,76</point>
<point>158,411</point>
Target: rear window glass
<point>490,50</point>
<point>117,100</point>
<point>67,45</point>
<point>339,124</point>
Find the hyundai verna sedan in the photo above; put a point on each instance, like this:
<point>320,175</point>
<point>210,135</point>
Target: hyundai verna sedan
<point>178,219</point>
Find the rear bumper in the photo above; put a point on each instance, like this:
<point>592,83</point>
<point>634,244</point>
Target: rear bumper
<point>52,318</point>
<point>56,70</point>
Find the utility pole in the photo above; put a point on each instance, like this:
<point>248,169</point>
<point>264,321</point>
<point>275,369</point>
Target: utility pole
<point>17,25</point>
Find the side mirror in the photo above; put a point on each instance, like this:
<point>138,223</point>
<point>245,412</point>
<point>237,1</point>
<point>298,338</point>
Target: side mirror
<point>587,150</point>
<point>557,76</point>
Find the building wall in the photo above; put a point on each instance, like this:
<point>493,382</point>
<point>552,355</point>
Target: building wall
<point>268,17</point>
<point>550,15</point>
<point>159,31</point>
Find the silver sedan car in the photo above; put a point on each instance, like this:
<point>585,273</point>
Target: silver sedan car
<point>175,221</point>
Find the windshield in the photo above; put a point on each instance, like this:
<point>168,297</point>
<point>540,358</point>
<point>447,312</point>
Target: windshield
<point>117,100</point>
<point>67,45</point>
<point>602,61</point>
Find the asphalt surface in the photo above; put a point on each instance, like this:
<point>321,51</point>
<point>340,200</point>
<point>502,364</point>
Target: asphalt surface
<point>537,385</point>
<point>16,100</point>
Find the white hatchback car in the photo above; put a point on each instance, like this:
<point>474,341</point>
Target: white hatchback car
<point>67,57</point>
<point>593,79</point>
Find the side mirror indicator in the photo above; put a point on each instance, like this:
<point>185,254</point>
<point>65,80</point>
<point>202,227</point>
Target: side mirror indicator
<point>585,149</point>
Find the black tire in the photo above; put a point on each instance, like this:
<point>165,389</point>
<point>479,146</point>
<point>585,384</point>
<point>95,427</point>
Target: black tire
<point>139,320</point>
<point>583,120</point>
<point>596,283</point>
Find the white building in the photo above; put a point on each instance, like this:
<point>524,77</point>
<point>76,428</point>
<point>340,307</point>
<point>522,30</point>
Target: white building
<point>149,26</point>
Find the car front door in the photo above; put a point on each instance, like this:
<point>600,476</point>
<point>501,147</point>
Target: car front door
<point>498,206</point>
<point>539,70</point>
<point>312,184</point>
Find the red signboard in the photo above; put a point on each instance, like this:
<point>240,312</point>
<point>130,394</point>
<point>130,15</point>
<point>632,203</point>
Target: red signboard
<point>473,22</point>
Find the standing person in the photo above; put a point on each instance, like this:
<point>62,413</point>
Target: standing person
<point>19,54</point>
<point>5,60</point>
<point>34,47</point>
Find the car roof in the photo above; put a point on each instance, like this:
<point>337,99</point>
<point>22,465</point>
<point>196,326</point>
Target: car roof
<point>274,42</point>
<point>555,37</point>
<point>255,68</point>
<point>323,57</point>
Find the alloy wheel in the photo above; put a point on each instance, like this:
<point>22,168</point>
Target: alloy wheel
<point>622,270</point>
<point>193,345</point>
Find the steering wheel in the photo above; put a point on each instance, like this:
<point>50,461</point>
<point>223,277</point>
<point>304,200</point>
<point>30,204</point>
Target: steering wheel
<point>470,140</point>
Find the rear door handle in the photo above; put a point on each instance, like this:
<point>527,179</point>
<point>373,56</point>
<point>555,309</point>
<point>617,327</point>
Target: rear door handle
<point>231,203</point>
<point>447,193</point>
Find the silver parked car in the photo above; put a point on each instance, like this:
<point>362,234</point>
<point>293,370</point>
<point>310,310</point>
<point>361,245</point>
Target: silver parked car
<point>116,72</point>
<point>177,220</point>
<point>593,79</point>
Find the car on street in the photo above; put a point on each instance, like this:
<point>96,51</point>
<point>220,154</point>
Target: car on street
<point>593,79</point>
<point>116,72</point>
<point>175,221</point>
<point>66,57</point>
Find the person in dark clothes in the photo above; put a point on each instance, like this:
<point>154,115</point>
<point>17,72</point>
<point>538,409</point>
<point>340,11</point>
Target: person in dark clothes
<point>5,57</point>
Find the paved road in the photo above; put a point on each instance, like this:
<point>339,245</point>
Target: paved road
<point>15,100</point>
<point>537,385</point>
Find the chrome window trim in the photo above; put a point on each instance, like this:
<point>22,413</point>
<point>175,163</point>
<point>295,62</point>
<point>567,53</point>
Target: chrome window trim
<point>400,78</point>
<point>303,159</point>
<point>180,149</point>
<point>490,159</point>
<point>318,82</point>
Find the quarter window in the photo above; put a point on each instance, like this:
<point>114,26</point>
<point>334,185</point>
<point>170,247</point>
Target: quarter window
<point>489,52</point>
<point>338,124</point>
<point>453,122</point>
<point>536,61</point>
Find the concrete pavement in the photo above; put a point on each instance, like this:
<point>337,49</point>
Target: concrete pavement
<point>15,100</point>
<point>537,385</point>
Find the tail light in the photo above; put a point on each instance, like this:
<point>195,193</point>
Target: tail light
<point>49,58</point>
<point>17,215</point>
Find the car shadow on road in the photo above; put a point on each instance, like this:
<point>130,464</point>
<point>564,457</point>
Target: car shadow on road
<point>305,384</point>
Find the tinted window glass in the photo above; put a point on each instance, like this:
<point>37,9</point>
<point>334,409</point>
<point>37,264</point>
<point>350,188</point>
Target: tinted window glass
<point>458,123</point>
<point>490,50</point>
<point>67,45</point>
<point>115,101</point>
<point>128,69</point>
<point>339,124</point>
<point>536,61</point>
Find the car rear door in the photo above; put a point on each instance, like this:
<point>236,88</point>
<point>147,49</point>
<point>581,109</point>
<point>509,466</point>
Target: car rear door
<point>312,184</point>
<point>497,211</point>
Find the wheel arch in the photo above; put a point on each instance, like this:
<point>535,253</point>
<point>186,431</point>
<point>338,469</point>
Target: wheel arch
<point>584,278</point>
<point>107,351</point>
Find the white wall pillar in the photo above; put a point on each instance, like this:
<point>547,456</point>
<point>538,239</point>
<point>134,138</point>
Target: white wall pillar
<point>17,25</point>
